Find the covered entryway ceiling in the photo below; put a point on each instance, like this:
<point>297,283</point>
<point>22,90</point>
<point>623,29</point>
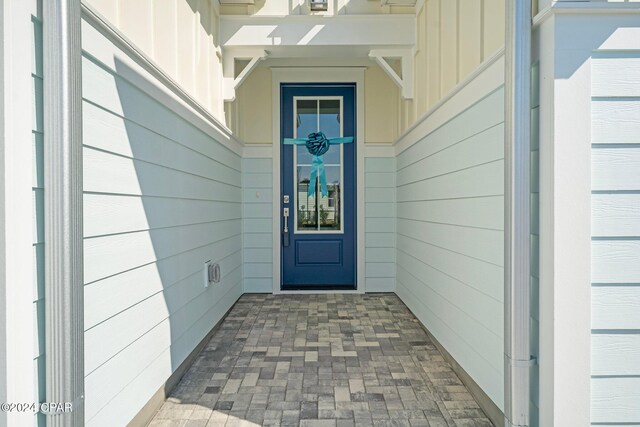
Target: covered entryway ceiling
<point>358,37</point>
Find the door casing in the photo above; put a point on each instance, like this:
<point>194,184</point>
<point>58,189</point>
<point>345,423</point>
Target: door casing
<point>318,75</point>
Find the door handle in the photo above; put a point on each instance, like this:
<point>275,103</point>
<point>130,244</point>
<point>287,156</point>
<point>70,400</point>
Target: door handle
<point>285,231</point>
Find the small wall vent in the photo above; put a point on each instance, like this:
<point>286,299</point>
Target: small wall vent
<point>211,273</point>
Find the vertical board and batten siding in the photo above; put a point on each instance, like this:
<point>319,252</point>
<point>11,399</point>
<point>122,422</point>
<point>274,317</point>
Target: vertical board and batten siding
<point>38,208</point>
<point>161,197</point>
<point>181,36</point>
<point>450,249</point>
<point>380,224</point>
<point>615,293</point>
<point>257,228</point>
<point>453,39</point>
<point>535,242</point>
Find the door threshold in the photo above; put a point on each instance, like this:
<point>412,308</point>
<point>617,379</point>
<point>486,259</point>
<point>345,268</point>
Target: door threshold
<point>318,288</point>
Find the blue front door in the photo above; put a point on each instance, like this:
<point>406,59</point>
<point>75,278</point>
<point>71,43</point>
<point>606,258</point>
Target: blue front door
<point>318,247</point>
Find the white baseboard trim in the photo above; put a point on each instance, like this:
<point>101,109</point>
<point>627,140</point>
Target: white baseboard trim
<point>379,150</point>
<point>257,151</point>
<point>149,410</point>
<point>490,409</point>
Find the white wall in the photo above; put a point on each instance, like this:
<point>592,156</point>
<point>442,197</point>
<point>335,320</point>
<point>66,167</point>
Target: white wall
<point>579,256</point>
<point>20,217</point>
<point>615,227</point>
<point>450,204</point>
<point>162,194</point>
<point>181,36</point>
<point>380,223</point>
<point>257,227</point>
<point>252,109</point>
<point>454,38</point>
<point>258,218</point>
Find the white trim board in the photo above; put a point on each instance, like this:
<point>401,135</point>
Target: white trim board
<point>17,343</point>
<point>379,150</point>
<point>319,75</point>
<point>257,151</point>
<point>485,79</point>
<point>585,7</point>
<point>369,30</point>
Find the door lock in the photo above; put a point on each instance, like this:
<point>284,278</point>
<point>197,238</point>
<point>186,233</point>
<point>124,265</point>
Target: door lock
<point>285,199</point>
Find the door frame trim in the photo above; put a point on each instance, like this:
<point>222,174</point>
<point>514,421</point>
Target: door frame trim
<point>318,75</point>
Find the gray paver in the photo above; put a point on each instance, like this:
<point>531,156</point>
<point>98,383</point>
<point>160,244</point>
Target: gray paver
<point>323,360</point>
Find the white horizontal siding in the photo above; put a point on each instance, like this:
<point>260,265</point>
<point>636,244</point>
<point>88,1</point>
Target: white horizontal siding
<point>161,198</point>
<point>482,244</point>
<point>615,307</point>
<point>615,214</point>
<point>615,261</point>
<point>478,181</point>
<point>615,400</point>
<point>117,293</point>
<point>380,224</point>
<point>449,337</point>
<point>615,74</point>
<point>131,250</point>
<point>615,247</point>
<point>147,360</point>
<point>481,212</point>
<point>616,168</point>
<point>615,354</point>
<point>450,248</point>
<point>484,147</point>
<point>257,229</point>
<point>615,120</point>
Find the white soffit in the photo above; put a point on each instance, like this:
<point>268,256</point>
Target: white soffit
<point>342,30</point>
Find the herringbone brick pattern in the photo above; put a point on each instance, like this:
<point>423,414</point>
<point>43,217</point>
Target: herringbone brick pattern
<point>320,360</point>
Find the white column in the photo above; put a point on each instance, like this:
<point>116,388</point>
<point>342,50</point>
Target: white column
<point>566,42</point>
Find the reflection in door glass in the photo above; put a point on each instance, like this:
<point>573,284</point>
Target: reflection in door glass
<point>329,209</point>
<point>307,217</point>
<point>318,212</point>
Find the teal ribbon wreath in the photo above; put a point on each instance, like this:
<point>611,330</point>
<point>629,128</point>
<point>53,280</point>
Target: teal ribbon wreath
<point>317,144</point>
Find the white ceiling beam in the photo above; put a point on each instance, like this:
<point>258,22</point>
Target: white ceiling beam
<point>301,30</point>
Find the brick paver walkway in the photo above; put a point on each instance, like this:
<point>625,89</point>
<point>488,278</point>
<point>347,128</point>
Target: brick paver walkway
<point>320,360</point>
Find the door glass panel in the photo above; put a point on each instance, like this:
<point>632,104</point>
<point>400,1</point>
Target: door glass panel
<point>329,209</point>
<point>307,218</point>
<point>307,117</point>
<point>318,213</point>
<point>330,117</point>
